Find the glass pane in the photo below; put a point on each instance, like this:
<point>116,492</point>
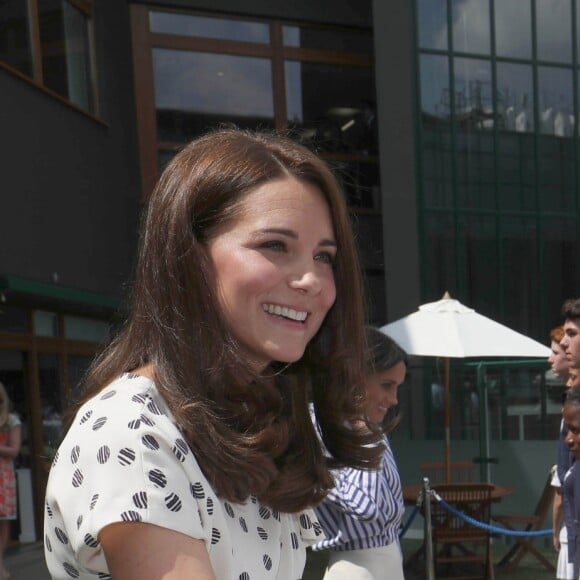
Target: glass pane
<point>515,97</point>
<point>65,51</point>
<point>14,36</point>
<point>12,375</point>
<point>432,22</point>
<point>13,319</point>
<point>554,30</point>
<point>77,367</point>
<point>513,28</point>
<point>328,39</point>
<point>475,170</point>
<point>435,96</point>
<point>52,401</point>
<point>220,28</point>
<point>45,323</point>
<point>471,26</point>
<point>332,106</point>
<point>521,274</point>
<point>478,249</point>
<point>436,166</point>
<point>439,255</point>
<point>473,94</point>
<point>89,329</point>
<point>556,174</point>
<point>555,101</point>
<point>516,166</point>
<point>78,64</point>
<point>196,91</point>
<point>369,236</point>
<point>560,260</point>
<point>360,182</point>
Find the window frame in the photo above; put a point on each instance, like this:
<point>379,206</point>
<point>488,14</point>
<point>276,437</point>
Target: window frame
<point>37,78</point>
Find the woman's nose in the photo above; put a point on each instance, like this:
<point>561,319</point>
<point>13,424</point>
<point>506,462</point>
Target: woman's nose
<point>306,280</point>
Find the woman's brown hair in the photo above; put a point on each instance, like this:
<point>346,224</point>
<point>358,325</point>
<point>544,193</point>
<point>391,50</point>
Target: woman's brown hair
<point>249,435</point>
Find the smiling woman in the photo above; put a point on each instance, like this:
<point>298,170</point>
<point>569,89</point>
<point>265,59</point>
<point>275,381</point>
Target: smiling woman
<point>194,429</point>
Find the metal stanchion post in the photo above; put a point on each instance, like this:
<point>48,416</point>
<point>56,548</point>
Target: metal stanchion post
<point>428,532</point>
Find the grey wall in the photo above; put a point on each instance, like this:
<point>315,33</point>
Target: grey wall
<point>394,66</point>
<point>69,184</point>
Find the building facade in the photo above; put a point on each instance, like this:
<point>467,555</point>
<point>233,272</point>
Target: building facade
<point>452,124</point>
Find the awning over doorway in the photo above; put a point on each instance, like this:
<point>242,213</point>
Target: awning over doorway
<point>46,295</point>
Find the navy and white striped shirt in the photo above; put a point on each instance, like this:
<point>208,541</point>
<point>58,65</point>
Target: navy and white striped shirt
<point>365,508</point>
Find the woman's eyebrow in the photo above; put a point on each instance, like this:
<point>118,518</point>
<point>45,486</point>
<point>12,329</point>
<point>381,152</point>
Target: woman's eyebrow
<point>292,234</point>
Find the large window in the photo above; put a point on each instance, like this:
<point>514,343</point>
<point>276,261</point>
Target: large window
<point>499,192</point>
<point>198,71</point>
<point>50,43</point>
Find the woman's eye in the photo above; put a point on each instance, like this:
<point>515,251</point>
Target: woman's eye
<point>275,245</point>
<point>325,257</point>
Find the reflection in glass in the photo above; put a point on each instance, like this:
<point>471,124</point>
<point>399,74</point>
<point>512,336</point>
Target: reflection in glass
<point>206,27</point>
<point>14,36</point>
<point>554,30</point>
<point>513,28</point>
<point>515,101</point>
<point>195,91</point>
<point>328,39</point>
<point>473,94</point>
<point>332,106</point>
<point>471,31</point>
<point>556,110</point>
<point>435,99</point>
<point>432,23</point>
<point>65,51</point>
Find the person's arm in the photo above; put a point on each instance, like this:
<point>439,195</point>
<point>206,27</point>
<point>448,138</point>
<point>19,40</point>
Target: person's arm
<point>12,447</point>
<point>557,518</point>
<point>140,551</point>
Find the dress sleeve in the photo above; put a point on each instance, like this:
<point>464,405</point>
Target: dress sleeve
<point>125,460</point>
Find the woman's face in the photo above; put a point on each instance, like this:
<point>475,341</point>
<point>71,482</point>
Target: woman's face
<point>571,415</point>
<point>381,391</point>
<point>274,270</point>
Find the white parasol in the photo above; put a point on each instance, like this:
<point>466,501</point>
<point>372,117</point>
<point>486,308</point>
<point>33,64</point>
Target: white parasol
<point>448,329</point>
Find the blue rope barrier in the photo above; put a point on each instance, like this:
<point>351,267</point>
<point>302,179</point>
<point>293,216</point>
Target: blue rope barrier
<point>409,521</point>
<point>488,527</point>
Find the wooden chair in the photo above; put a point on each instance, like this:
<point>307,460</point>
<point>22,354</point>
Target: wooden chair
<point>460,549</point>
<point>528,523</point>
<point>461,471</point>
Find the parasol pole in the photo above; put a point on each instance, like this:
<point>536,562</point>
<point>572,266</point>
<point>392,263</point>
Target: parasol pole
<point>447,411</point>
<point>447,420</point>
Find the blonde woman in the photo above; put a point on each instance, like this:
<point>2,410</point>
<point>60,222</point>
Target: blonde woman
<point>9,449</point>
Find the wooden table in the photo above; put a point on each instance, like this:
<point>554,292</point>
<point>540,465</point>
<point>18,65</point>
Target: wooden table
<point>411,492</point>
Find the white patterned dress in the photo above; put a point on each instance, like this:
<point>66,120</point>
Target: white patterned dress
<point>124,459</point>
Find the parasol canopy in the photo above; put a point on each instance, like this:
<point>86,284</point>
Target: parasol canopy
<point>448,329</point>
